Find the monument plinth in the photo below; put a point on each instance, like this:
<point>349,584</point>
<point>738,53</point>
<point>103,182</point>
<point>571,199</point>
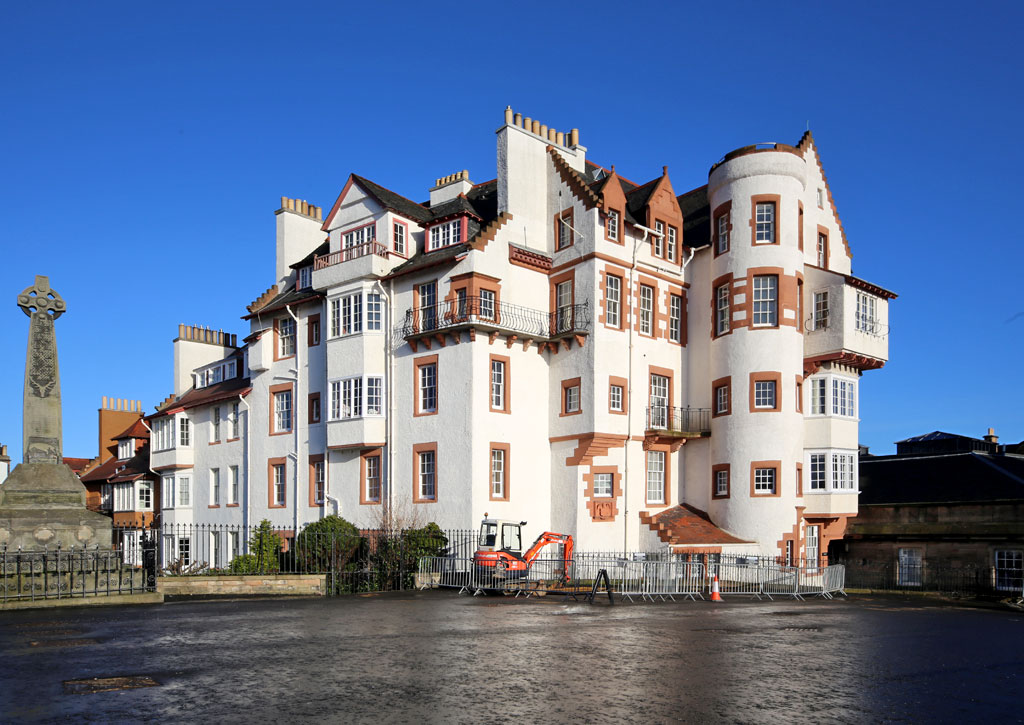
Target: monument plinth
<point>42,502</point>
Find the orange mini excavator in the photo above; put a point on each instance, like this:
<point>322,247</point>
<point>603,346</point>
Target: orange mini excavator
<point>501,542</point>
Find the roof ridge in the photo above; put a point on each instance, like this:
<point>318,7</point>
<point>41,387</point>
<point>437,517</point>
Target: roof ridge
<point>390,191</point>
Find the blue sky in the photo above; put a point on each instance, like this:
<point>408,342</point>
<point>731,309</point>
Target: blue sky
<point>145,148</point>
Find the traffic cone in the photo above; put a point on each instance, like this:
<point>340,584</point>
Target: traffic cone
<point>715,596</point>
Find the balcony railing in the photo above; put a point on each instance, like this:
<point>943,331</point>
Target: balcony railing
<point>866,326</point>
<point>350,253</point>
<point>679,421</point>
<point>490,315</point>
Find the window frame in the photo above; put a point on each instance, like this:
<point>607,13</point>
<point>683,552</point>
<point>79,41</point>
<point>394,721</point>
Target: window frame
<point>769,483</point>
<point>422,453</point>
<point>444,234</point>
<point>760,378</point>
<point>770,313</point>
<point>568,397</point>
<point>659,453</point>
<point>765,230</point>
<point>285,335</point>
<point>613,301</point>
<point>613,226</point>
<point>282,402</point>
<point>717,471</point>
<point>647,295</point>
<point>723,309</point>
<point>675,318</point>
<point>503,396</point>
<point>494,494</point>
<point>421,365</point>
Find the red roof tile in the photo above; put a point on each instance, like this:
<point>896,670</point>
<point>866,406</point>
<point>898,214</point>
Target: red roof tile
<point>686,526</point>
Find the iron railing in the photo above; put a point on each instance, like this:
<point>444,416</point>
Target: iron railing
<point>352,560</point>
<point>489,314</point>
<point>899,576</point>
<point>60,573</point>
<point>679,420</point>
<point>350,253</point>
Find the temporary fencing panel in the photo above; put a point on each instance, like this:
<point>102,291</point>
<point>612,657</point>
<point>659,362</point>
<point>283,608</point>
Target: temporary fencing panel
<point>629,578</point>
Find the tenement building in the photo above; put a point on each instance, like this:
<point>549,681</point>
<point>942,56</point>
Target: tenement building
<point>558,345</point>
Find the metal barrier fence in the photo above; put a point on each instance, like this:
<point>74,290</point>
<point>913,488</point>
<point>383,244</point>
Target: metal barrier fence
<point>760,580</point>
<point>76,573</point>
<point>657,578</point>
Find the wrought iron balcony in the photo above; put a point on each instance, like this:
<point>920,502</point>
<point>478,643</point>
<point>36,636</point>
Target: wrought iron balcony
<point>487,314</point>
<point>679,422</point>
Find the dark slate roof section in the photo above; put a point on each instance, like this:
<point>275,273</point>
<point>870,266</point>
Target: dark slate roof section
<point>421,261</point>
<point>696,217</point>
<point>952,478</point>
<point>290,296</point>
<point>218,391</point>
<point>393,201</point>
<point>484,199</point>
<point>452,207</point>
<point>309,258</point>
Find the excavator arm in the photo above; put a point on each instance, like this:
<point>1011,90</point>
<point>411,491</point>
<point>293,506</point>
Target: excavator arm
<point>549,537</point>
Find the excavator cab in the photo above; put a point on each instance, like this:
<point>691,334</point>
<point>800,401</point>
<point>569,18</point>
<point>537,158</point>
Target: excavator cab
<point>501,535</point>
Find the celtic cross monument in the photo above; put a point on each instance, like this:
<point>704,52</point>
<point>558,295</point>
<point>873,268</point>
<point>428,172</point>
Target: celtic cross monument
<point>42,502</point>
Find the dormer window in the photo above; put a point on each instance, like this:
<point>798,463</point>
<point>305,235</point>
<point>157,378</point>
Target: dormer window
<point>125,449</point>
<point>305,278</point>
<point>445,234</point>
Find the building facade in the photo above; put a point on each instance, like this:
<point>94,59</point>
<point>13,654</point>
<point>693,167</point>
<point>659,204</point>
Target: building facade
<point>558,345</point>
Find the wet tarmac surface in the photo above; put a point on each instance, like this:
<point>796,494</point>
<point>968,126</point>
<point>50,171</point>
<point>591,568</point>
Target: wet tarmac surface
<point>439,658</point>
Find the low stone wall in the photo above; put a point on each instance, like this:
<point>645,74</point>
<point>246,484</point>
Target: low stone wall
<point>251,584</point>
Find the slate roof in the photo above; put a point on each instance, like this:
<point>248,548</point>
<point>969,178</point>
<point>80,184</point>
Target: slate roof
<point>689,526</point>
<point>290,296</point>
<point>393,201</point>
<point>212,393</point>
<point>696,217</point>
<point>971,477</point>
<point>113,470</point>
<point>445,255</point>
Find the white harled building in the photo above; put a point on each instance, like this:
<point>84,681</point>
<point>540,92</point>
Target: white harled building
<point>559,345</point>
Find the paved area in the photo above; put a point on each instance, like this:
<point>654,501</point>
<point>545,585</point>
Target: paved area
<point>438,658</point>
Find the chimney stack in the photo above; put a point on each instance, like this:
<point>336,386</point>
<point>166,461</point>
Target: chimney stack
<point>991,437</point>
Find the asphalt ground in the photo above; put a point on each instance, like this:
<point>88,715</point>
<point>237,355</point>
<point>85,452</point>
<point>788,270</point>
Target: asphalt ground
<point>436,657</point>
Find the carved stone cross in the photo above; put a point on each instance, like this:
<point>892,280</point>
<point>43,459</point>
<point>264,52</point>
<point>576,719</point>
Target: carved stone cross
<point>42,415</point>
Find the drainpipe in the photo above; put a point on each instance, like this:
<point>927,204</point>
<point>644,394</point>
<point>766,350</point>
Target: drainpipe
<point>298,419</point>
<point>388,384</point>
<point>159,478</point>
<point>629,391</point>
<point>248,463</point>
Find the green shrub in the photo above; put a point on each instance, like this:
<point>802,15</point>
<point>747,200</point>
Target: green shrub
<point>264,552</point>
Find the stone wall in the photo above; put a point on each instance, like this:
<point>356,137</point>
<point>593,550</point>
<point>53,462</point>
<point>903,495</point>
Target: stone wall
<point>254,584</point>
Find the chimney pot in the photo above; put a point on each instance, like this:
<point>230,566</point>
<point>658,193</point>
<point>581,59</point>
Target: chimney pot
<point>574,137</point>
<point>527,123</point>
<point>284,202</point>
<point>544,130</point>
<point>536,127</point>
<point>518,119</point>
<point>560,138</point>
<point>508,115</point>
<point>104,403</point>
